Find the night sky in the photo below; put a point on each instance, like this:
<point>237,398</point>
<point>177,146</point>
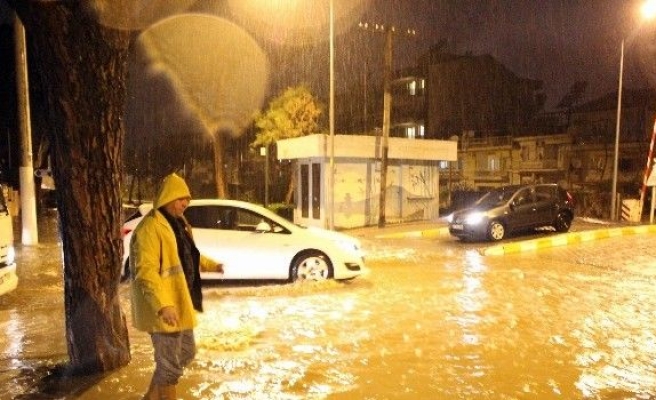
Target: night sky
<point>556,41</point>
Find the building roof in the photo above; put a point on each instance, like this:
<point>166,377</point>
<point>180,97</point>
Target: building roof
<point>630,98</point>
<point>359,146</point>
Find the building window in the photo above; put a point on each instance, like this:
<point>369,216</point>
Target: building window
<point>493,163</point>
<point>416,87</point>
<point>627,164</point>
<point>412,88</point>
<point>316,190</point>
<point>305,190</point>
<point>488,162</point>
<point>414,132</point>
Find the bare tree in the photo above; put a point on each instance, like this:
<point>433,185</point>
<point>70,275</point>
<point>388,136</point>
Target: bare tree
<point>83,65</point>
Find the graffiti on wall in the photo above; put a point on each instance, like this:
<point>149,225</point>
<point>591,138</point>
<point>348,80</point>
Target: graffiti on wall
<point>421,194</point>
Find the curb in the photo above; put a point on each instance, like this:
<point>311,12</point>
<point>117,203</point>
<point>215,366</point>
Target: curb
<point>565,239</point>
<point>426,233</point>
<point>562,239</point>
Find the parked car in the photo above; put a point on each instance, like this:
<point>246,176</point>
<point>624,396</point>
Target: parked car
<point>513,209</point>
<point>133,219</point>
<point>255,243</point>
<point>8,277</point>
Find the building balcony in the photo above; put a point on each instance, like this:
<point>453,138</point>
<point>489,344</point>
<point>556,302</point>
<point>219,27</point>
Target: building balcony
<point>469,143</point>
<point>538,165</point>
<point>487,175</point>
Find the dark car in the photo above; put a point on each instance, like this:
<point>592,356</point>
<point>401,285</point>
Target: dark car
<point>513,209</point>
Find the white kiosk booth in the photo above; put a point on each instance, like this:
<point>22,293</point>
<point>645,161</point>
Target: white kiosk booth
<point>412,181</point>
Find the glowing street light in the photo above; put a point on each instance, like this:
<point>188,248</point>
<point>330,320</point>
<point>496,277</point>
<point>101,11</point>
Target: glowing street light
<point>648,9</point>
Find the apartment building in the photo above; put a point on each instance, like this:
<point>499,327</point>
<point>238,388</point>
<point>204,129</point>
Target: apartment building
<point>502,139</point>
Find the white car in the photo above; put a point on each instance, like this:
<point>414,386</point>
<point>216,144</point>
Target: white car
<point>253,242</point>
<point>8,277</point>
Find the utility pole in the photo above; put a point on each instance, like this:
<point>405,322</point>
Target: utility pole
<point>29,228</point>
<point>265,150</point>
<point>387,111</point>
<point>366,99</point>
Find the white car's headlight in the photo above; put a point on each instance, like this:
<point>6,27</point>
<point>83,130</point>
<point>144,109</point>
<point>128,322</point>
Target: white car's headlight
<point>474,218</point>
<point>351,246</point>
<point>449,218</point>
<point>11,255</point>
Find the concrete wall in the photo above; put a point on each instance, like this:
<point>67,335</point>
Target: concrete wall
<point>412,192</point>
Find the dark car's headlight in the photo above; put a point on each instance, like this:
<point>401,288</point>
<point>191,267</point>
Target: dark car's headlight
<point>474,218</point>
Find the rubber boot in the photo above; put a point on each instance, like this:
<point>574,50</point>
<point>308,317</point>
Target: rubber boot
<point>167,392</point>
<point>152,393</point>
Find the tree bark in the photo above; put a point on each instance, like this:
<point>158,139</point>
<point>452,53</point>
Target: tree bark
<point>219,171</point>
<point>292,184</point>
<point>83,66</point>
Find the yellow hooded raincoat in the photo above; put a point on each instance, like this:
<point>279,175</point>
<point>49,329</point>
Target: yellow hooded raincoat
<point>159,279</point>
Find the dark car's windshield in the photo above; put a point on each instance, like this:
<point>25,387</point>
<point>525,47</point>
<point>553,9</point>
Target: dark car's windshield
<point>494,198</point>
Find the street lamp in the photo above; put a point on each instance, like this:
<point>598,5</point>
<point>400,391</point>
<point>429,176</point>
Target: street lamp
<point>613,204</point>
<point>331,116</point>
<point>648,11</point>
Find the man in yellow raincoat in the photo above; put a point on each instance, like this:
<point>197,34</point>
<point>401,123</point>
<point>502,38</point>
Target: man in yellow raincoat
<point>166,288</point>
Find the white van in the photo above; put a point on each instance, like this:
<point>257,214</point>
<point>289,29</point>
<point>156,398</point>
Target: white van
<point>8,277</point>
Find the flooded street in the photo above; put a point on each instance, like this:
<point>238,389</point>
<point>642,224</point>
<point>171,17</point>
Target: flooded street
<point>432,320</point>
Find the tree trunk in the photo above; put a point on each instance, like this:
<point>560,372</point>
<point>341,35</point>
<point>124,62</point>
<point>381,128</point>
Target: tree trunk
<point>292,184</point>
<point>219,171</point>
<point>83,67</point>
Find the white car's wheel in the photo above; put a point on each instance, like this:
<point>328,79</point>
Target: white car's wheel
<point>311,266</point>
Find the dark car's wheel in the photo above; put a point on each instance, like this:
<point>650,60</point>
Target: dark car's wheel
<point>563,222</point>
<point>496,231</point>
<point>311,266</point>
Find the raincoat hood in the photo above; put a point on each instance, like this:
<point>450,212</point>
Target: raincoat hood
<point>173,188</point>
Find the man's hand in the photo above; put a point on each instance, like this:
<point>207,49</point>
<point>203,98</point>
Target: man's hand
<point>169,315</point>
<point>218,268</point>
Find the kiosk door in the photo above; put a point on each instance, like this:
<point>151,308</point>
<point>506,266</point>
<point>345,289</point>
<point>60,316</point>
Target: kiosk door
<point>311,193</point>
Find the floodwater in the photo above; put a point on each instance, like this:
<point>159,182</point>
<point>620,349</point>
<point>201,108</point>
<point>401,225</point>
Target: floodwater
<point>432,320</point>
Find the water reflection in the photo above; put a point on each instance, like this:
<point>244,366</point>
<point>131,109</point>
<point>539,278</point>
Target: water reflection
<point>13,335</point>
<point>283,343</point>
<point>425,324</point>
<point>471,300</point>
